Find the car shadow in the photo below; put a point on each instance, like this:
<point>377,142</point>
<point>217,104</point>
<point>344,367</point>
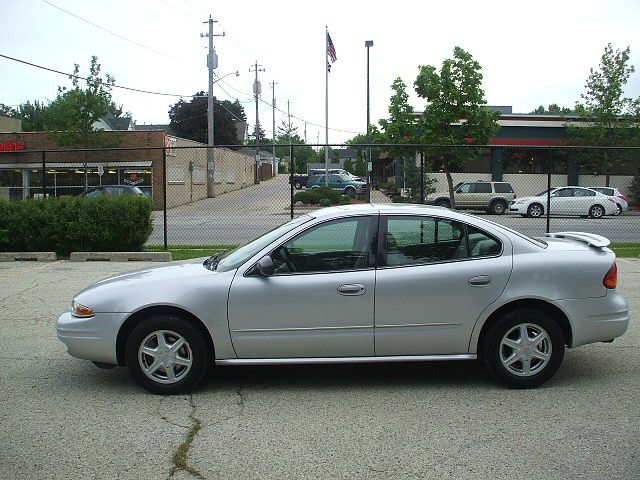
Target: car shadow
<point>350,376</point>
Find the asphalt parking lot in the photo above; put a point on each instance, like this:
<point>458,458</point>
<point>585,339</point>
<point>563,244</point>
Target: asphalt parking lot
<point>62,417</point>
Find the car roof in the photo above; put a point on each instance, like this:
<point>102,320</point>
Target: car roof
<point>386,208</point>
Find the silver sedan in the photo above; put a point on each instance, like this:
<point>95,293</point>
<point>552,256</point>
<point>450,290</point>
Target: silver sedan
<point>367,283</point>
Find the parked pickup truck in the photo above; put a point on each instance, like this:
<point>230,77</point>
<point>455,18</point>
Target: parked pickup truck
<point>299,180</point>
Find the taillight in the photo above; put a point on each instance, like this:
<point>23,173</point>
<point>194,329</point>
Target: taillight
<point>623,197</point>
<point>610,280</point>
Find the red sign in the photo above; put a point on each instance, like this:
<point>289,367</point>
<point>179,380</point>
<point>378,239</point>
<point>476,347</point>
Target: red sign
<point>11,146</point>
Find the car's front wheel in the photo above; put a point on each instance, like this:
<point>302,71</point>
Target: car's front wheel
<point>535,210</point>
<point>297,185</point>
<point>443,202</point>
<point>166,354</point>
<point>523,349</point>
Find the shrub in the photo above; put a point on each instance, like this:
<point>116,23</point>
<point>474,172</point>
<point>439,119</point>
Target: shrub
<point>69,224</point>
<point>324,202</point>
<point>303,197</point>
<point>345,200</point>
<point>318,193</point>
<point>401,199</point>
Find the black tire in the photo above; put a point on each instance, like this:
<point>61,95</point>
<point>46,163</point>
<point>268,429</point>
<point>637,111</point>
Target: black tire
<point>494,350</point>
<point>535,210</point>
<point>171,326</point>
<point>596,211</point>
<point>618,210</point>
<point>498,207</point>
<point>350,191</point>
<point>443,202</point>
<point>297,185</point>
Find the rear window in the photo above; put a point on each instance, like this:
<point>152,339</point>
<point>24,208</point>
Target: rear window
<point>606,191</point>
<point>482,188</point>
<point>503,188</point>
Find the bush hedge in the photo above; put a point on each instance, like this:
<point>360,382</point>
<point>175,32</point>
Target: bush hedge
<point>314,195</point>
<point>73,224</point>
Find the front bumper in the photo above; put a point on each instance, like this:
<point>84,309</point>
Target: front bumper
<point>596,319</point>
<point>518,208</point>
<point>91,338</point>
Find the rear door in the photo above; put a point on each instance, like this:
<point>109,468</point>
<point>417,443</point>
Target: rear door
<point>435,277</point>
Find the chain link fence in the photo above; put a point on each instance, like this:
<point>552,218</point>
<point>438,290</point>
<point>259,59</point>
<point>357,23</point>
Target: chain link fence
<point>229,195</point>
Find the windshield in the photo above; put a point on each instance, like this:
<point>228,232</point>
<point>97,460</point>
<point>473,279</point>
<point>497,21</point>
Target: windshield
<point>234,258</point>
<point>544,193</point>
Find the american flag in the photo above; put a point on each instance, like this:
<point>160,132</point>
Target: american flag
<point>331,52</point>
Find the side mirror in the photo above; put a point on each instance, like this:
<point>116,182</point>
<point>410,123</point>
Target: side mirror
<point>265,266</point>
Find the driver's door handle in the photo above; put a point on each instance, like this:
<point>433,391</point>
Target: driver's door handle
<point>352,289</point>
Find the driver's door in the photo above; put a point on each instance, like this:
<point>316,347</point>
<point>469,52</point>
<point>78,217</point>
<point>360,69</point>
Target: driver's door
<point>318,303</point>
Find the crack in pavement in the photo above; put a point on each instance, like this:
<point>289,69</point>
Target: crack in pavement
<point>180,456</point>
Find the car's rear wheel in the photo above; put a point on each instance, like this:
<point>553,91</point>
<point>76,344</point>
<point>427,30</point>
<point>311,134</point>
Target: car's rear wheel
<point>443,202</point>
<point>535,210</point>
<point>350,191</point>
<point>523,349</point>
<point>596,211</point>
<point>498,207</point>
<point>166,354</point>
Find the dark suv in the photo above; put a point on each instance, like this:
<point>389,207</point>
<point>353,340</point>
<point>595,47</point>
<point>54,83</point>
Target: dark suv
<point>490,196</point>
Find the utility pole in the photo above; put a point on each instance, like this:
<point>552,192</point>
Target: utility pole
<point>212,64</point>
<point>305,132</point>
<point>273,109</point>
<point>257,90</point>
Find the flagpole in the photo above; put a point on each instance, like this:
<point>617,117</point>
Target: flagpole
<point>326,105</point>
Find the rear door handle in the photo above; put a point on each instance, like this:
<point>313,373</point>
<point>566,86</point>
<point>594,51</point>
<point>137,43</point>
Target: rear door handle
<point>480,281</point>
<point>352,289</point>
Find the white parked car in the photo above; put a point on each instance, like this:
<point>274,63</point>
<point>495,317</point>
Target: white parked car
<point>584,202</point>
<point>359,283</point>
<point>622,201</point>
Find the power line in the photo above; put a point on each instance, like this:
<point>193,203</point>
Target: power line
<point>111,32</point>
<point>71,75</point>
<point>164,94</point>
<point>293,116</point>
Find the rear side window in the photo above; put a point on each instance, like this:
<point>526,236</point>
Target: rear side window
<point>482,244</point>
<point>482,188</point>
<point>422,240</point>
<point>503,188</point>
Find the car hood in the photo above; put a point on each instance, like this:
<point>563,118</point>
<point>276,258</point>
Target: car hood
<point>177,283</point>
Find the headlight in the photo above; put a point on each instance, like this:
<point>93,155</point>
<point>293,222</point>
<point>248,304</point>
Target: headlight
<point>80,311</point>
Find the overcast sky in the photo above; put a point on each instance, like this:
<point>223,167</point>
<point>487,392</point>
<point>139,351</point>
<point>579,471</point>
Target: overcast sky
<point>532,53</point>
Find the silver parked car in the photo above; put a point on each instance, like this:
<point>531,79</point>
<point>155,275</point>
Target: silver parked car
<point>622,201</point>
<point>359,283</point>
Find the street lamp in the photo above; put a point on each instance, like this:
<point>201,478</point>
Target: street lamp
<point>367,44</point>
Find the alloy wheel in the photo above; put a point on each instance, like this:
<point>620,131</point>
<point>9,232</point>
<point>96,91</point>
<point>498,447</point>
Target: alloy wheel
<point>525,350</point>
<point>165,356</point>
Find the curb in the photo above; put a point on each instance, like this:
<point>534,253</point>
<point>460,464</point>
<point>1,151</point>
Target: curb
<point>28,257</point>
<point>120,257</point>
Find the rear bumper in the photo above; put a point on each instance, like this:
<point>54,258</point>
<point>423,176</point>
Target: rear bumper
<point>596,319</point>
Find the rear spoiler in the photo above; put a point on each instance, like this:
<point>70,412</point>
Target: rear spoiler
<point>590,239</point>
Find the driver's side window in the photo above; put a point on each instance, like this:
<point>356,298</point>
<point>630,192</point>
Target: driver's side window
<point>331,246</point>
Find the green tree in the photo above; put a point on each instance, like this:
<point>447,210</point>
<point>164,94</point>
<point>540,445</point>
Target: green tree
<point>360,168</point>
<point>7,111</point>
<point>348,165</point>
<point>189,119</point>
<point>612,117</point>
<point>77,108</point>
<point>553,109</point>
<point>456,112</point>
